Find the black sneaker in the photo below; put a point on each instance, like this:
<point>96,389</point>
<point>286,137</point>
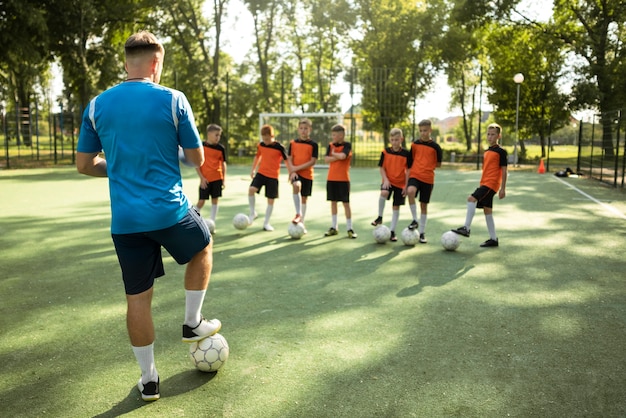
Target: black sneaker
<point>462,231</point>
<point>490,243</point>
<point>393,237</point>
<point>377,221</point>
<point>203,330</point>
<point>149,391</point>
<point>413,225</point>
<point>352,234</point>
<point>331,231</point>
<point>423,239</point>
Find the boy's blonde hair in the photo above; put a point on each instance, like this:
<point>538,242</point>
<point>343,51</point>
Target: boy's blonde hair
<point>395,132</point>
<point>306,121</point>
<point>495,126</point>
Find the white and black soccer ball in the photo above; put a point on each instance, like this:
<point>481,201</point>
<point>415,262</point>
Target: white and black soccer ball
<point>450,240</point>
<point>209,354</point>
<point>211,224</point>
<point>382,233</point>
<point>296,231</point>
<point>241,221</point>
<point>410,237</point>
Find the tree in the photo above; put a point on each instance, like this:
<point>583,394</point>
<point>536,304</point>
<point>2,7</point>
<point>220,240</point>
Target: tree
<point>594,31</point>
<point>23,56</point>
<point>539,58</point>
<point>396,56</point>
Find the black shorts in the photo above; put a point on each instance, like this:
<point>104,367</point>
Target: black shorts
<point>338,191</point>
<point>396,192</point>
<point>139,254</point>
<point>484,195</point>
<point>213,190</point>
<point>306,186</point>
<point>271,185</point>
<point>423,189</point>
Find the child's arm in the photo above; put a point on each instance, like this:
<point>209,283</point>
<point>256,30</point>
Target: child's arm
<point>502,192</point>
<point>224,174</point>
<point>383,174</point>
<point>255,165</point>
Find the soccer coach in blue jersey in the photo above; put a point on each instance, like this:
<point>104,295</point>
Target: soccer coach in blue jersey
<point>140,125</point>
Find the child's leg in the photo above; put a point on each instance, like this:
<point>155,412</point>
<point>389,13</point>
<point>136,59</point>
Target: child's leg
<point>395,215</point>
<point>333,214</point>
<point>214,208</point>
<point>348,213</point>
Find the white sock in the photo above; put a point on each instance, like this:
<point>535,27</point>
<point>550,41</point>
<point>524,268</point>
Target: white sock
<point>422,227</point>
<point>297,201</point>
<point>268,214</point>
<point>381,206</point>
<point>145,358</point>
<point>395,215</point>
<point>213,212</point>
<point>471,210</point>
<point>348,224</point>
<point>334,223</point>
<point>303,211</point>
<point>491,227</point>
<point>251,204</point>
<point>193,306</point>
<point>413,208</point>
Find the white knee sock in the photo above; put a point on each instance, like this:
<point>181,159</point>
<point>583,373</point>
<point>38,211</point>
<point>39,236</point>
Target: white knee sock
<point>268,214</point>
<point>251,204</point>
<point>422,227</point>
<point>471,210</point>
<point>193,306</point>
<point>303,211</point>
<point>145,358</point>
<point>297,201</point>
<point>491,227</point>
<point>413,208</point>
<point>214,212</point>
<point>395,215</point>
<point>348,224</point>
<point>333,221</point>
<point>381,206</point>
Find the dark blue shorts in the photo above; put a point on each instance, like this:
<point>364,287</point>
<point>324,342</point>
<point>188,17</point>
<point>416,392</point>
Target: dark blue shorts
<point>139,254</point>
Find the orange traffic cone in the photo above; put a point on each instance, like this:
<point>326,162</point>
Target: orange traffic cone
<point>542,168</point>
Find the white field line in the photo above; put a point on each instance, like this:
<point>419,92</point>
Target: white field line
<point>606,206</point>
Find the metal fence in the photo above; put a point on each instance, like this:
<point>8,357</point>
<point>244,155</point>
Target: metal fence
<point>601,149</point>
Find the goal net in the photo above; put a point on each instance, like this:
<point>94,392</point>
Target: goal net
<point>286,126</point>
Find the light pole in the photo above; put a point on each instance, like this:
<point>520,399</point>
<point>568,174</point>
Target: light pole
<point>519,79</point>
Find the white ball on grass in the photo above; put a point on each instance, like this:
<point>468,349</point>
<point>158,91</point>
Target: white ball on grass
<point>381,233</point>
<point>241,221</point>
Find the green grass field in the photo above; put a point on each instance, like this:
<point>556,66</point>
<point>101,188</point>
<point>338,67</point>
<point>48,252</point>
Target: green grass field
<point>325,327</point>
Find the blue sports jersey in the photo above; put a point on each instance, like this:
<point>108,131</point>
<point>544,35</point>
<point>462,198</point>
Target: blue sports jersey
<point>139,126</point>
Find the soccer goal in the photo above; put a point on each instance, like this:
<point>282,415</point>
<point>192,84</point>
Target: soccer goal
<point>286,126</point>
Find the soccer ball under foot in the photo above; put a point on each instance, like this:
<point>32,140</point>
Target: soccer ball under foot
<point>450,240</point>
<point>209,354</point>
<point>381,234</point>
<point>410,237</point>
<point>296,231</point>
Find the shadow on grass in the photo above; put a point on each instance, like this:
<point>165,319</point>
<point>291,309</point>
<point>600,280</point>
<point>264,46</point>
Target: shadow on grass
<point>179,384</point>
<point>430,282</point>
